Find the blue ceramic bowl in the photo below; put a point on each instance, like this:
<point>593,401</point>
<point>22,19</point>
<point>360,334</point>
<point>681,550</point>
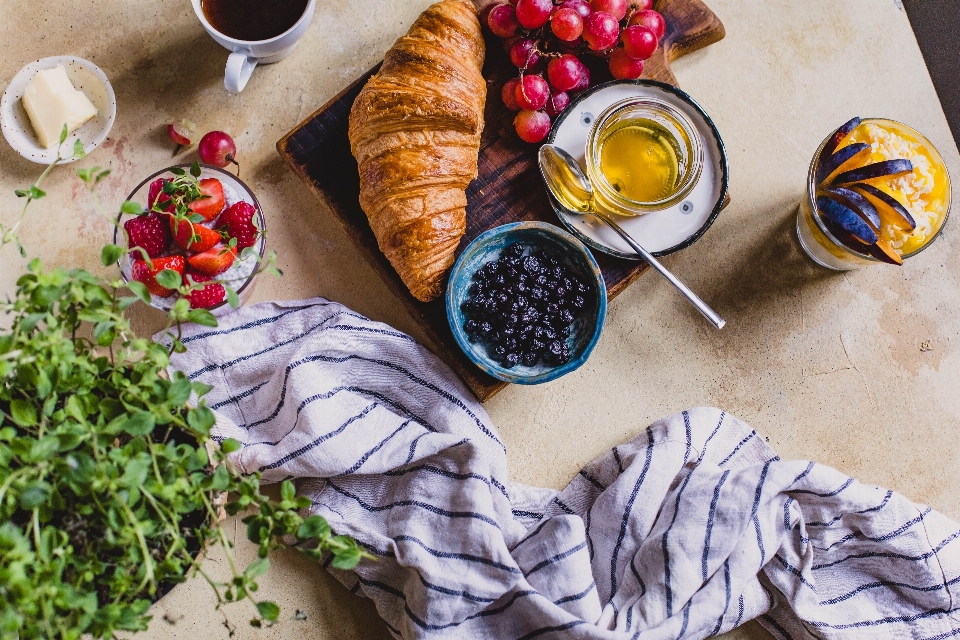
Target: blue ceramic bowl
<point>486,248</point>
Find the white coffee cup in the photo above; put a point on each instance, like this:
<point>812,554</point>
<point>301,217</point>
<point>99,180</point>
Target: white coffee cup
<point>246,55</point>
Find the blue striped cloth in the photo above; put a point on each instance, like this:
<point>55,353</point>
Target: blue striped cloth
<point>686,531</point>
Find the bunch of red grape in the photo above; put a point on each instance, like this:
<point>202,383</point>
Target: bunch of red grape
<point>545,39</point>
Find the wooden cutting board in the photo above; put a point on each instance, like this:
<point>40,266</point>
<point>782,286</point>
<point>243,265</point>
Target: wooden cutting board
<point>508,188</point>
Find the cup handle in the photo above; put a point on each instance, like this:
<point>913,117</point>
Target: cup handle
<point>239,67</point>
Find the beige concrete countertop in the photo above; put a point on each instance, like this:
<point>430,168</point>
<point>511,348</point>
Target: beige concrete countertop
<point>827,366</point>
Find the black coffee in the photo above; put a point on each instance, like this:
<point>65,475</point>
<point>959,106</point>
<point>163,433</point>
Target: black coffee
<point>253,19</point>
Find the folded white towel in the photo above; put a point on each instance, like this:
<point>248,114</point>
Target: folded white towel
<point>688,530</point>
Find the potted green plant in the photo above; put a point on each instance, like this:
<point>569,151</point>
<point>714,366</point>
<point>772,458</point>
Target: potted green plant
<point>109,484</point>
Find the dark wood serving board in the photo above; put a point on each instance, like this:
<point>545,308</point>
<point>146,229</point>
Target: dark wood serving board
<point>508,188</point>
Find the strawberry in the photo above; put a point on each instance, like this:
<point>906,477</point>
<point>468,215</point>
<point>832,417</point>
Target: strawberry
<point>148,231</point>
<point>237,221</point>
<point>141,272</point>
<point>211,206</point>
<point>214,261</point>
<point>209,296</point>
<point>155,194</point>
<point>193,236</point>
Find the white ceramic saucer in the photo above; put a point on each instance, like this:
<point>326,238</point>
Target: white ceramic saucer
<point>661,232</point>
<point>86,77</point>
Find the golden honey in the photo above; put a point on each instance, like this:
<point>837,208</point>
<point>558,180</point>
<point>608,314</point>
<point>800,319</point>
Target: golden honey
<point>640,160</point>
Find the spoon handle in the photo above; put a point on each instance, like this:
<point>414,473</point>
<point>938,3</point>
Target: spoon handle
<point>701,306</point>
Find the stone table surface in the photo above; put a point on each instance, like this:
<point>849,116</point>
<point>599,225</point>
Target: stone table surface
<point>827,366</point>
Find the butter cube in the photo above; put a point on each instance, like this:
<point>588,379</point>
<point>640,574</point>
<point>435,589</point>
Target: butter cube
<point>51,101</point>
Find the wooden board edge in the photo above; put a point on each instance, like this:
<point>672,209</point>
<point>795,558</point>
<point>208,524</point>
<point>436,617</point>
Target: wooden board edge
<point>481,389</point>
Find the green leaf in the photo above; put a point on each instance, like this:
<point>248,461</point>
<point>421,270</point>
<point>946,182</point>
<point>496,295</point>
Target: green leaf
<point>314,527</point>
<point>34,494</point>
<point>78,150</point>
<point>232,298</point>
<point>133,208</point>
<point>85,174</point>
<point>219,481</point>
<point>177,171</point>
<point>23,412</point>
<point>179,391</point>
<point>169,279</point>
<point>104,333</point>
<point>140,290</point>
<point>202,388</point>
<point>201,419</point>
<point>258,568</point>
<point>230,445</point>
<point>140,423</point>
<point>195,169</point>
<point>269,610</point>
<point>202,317</point>
<point>63,134</point>
<point>20,193</point>
<point>35,193</point>
<point>287,490</point>
<point>110,254</point>
<point>195,218</point>
<point>347,559</point>
<point>103,174</point>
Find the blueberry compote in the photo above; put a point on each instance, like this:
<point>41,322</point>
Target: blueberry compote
<point>522,307</point>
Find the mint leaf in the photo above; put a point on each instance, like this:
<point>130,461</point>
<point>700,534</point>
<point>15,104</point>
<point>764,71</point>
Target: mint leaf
<point>169,279</point>
<point>78,150</point>
<point>202,317</point>
<point>132,208</point>
<point>195,169</point>
<point>269,610</point>
<point>110,254</point>
<point>63,134</point>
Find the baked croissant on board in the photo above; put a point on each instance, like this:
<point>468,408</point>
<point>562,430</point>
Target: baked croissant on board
<point>415,132</point>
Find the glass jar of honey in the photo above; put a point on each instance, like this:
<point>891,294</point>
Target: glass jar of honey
<point>642,155</point>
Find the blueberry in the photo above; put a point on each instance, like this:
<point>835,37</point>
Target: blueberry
<point>552,308</point>
<point>499,350</point>
<point>578,302</point>
<point>537,293</point>
<point>511,360</point>
<point>531,265</point>
<point>566,316</point>
<point>530,358</point>
<point>514,250</point>
<point>485,328</point>
<point>541,280</point>
<point>529,315</point>
<point>470,326</point>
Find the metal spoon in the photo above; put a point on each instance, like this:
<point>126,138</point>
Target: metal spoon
<point>572,189</point>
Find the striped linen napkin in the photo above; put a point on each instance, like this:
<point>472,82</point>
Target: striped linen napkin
<point>686,531</point>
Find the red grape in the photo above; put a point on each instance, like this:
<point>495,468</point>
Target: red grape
<point>532,126</point>
<point>484,14</point>
<point>524,54</point>
<point>623,67</point>
<point>533,14</point>
<point>566,24</point>
<point>217,148</point>
<point>532,93</point>
<point>639,42</point>
<point>503,21</point>
<point>651,20</point>
<point>600,30</point>
<point>584,79</point>
<point>616,8</point>
<point>509,94</point>
<point>564,72</point>
<point>639,5</point>
<point>557,103</point>
<point>580,6</point>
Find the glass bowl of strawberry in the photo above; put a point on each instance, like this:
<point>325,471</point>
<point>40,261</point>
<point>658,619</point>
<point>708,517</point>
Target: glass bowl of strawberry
<point>193,231</point>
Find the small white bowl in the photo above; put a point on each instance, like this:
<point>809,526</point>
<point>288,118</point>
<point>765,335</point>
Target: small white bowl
<point>86,77</point>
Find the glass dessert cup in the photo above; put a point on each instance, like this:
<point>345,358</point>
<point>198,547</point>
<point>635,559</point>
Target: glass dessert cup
<point>242,275</point>
<point>826,249</point>
<point>677,163</point>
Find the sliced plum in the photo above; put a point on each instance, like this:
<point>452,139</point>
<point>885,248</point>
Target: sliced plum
<point>889,207</point>
<point>846,238</point>
<point>843,155</point>
<point>839,136</point>
<point>884,251</point>
<point>882,169</point>
<point>857,202</point>
<point>846,219</point>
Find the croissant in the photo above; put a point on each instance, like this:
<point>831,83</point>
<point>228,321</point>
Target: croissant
<point>415,132</point>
